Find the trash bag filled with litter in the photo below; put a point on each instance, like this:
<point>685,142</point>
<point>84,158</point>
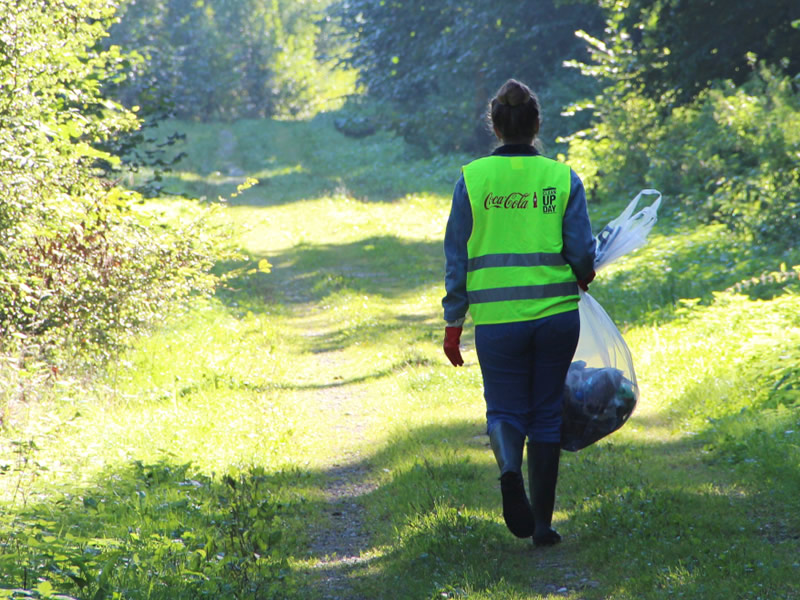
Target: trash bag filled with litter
<point>601,390</point>
<point>597,402</point>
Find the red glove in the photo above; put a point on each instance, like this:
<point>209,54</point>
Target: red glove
<point>452,338</point>
<point>584,283</point>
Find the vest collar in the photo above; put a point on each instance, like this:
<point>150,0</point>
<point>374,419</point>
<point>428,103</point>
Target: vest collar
<point>516,150</point>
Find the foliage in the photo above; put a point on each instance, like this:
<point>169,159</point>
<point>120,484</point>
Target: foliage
<point>733,155</point>
<point>678,47</point>
<point>725,149</point>
<point>432,67</point>
<point>81,263</point>
<point>730,156</point>
<point>160,531</point>
<point>695,497</point>
<point>613,155</point>
<point>219,59</point>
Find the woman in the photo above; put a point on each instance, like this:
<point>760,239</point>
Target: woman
<point>518,244</point>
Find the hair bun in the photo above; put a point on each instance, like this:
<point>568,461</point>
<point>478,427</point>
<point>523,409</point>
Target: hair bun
<point>513,93</point>
<point>514,113</point>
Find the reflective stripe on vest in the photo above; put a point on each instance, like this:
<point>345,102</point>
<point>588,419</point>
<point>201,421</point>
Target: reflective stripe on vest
<point>515,270</point>
<point>529,292</point>
<point>534,259</point>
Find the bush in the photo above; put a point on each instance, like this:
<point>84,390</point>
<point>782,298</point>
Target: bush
<point>729,156</point>
<point>733,155</point>
<point>158,531</point>
<point>81,264</point>
<point>613,156</point>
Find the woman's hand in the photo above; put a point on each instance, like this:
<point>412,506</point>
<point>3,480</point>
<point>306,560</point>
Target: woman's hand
<point>452,340</point>
<point>584,283</point>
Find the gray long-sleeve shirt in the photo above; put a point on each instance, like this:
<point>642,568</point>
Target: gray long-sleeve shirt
<point>578,249</point>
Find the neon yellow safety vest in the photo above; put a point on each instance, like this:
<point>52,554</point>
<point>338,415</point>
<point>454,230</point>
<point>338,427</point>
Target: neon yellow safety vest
<point>515,270</point>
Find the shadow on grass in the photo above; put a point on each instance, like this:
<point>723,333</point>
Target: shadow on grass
<point>271,190</point>
<point>384,266</point>
<point>417,328</point>
<point>643,520</point>
<point>391,267</point>
<point>397,366</point>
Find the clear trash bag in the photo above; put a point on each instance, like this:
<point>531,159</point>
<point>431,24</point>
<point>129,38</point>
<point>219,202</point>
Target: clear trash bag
<point>601,389</point>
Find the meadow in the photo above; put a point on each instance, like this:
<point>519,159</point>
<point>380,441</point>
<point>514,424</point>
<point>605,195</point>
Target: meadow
<point>301,434</point>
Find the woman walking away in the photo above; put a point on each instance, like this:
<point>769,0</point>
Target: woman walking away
<point>518,244</point>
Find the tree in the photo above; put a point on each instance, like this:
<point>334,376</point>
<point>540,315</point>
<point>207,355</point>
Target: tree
<point>685,45</point>
<point>432,66</point>
<point>719,136</point>
<point>222,59</point>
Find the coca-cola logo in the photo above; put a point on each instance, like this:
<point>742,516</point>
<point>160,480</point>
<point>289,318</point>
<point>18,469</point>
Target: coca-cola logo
<point>512,200</point>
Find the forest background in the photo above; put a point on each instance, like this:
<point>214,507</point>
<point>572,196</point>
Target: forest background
<point>102,242</point>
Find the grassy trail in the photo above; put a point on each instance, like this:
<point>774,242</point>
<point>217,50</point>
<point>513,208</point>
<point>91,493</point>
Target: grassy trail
<point>302,436</point>
<point>340,434</point>
<point>356,413</point>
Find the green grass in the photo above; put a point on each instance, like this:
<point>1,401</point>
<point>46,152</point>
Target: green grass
<point>198,466</point>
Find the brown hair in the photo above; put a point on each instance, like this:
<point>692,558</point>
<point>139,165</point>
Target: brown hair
<point>514,112</point>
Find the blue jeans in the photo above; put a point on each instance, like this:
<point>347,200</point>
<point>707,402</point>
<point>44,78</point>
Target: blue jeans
<point>524,367</point>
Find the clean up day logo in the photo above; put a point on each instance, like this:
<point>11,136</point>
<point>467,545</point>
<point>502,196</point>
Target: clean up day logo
<point>549,200</point>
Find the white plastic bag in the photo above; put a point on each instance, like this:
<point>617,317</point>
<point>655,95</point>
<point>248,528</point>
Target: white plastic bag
<point>601,389</point>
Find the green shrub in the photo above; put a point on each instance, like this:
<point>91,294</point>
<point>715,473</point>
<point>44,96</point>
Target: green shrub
<point>81,263</point>
<point>729,156</point>
<point>157,531</point>
<point>733,154</point>
<point>613,156</point>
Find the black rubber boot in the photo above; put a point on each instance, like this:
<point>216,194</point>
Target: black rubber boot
<point>507,445</point>
<point>543,459</point>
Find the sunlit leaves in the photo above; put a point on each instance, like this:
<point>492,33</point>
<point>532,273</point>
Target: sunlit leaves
<point>725,148</point>
<point>250,58</point>
<point>79,269</point>
<point>156,530</point>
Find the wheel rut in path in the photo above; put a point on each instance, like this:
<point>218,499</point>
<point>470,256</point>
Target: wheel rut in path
<point>339,541</point>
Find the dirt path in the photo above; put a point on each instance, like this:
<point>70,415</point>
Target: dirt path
<point>339,541</point>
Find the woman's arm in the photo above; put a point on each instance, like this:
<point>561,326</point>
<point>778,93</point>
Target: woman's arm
<point>579,244</point>
<point>459,228</point>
